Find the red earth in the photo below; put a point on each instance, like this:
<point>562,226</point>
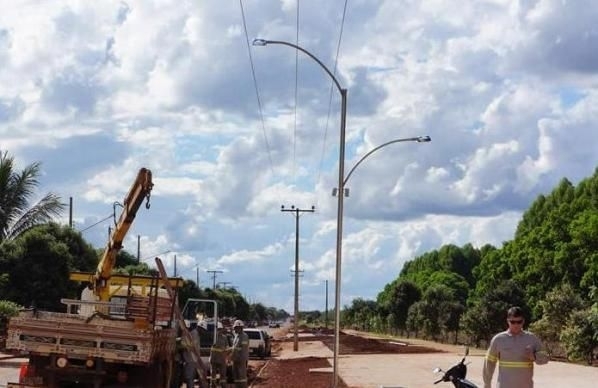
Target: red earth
<point>295,373</point>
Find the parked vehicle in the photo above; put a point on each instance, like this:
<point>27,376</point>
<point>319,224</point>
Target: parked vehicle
<point>274,325</point>
<point>268,343</point>
<point>120,330</point>
<point>456,374</point>
<point>259,342</point>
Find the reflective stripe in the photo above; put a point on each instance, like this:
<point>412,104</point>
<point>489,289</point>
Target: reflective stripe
<point>516,364</point>
<point>491,358</point>
<point>218,349</point>
<point>240,380</point>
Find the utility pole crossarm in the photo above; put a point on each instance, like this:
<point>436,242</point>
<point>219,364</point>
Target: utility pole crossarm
<point>214,272</point>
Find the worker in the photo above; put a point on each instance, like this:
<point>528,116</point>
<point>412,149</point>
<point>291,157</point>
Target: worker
<point>218,357</point>
<point>190,365</point>
<point>515,350</point>
<point>87,296</point>
<point>240,355</point>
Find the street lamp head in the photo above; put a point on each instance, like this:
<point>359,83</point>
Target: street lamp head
<point>259,42</point>
<point>424,139</point>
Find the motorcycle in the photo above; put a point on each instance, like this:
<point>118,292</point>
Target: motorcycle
<point>456,374</point>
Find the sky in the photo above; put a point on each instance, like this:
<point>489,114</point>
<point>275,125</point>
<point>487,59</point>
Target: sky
<point>507,91</point>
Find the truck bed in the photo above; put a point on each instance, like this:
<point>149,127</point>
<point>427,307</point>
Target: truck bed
<point>80,337</point>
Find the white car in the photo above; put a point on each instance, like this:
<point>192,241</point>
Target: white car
<point>259,344</point>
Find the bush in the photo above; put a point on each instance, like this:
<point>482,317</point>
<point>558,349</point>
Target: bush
<point>7,309</point>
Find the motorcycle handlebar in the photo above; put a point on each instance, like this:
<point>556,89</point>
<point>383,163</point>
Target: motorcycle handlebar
<point>436,382</point>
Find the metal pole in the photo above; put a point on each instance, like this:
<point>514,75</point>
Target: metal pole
<point>341,172</point>
<point>339,237</point>
<point>326,318</point>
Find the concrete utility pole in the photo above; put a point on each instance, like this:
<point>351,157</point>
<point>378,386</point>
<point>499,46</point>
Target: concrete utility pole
<point>214,272</point>
<point>224,284</point>
<point>138,248</point>
<point>70,212</point>
<point>297,212</point>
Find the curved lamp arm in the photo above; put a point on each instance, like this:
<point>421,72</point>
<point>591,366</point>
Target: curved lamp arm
<point>264,42</point>
<point>419,139</point>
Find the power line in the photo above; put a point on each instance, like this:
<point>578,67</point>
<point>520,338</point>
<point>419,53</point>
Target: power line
<point>97,223</point>
<point>257,93</point>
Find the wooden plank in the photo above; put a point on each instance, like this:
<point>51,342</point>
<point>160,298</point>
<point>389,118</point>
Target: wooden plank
<point>195,353</point>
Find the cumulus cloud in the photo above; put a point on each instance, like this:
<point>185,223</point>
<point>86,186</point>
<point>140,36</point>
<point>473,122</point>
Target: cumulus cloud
<point>506,90</point>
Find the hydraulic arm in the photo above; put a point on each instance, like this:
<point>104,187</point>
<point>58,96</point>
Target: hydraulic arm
<point>139,191</point>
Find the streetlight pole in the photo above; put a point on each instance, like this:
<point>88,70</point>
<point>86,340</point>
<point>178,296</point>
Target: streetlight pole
<point>341,187</point>
<point>341,175</point>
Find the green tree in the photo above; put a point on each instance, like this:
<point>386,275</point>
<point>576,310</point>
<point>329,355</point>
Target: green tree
<point>36,265</point>
<point>487,315</point>
<point>17,214</point>
<point>438,309</point>
<point>40,276</point>
<point>580,335</point>
<point>396,299</point>
<point>556,308</point>
<point>359,313</point>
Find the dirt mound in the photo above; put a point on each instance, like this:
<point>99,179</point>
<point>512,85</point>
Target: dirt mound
<point>352,344</point>
<point>295,374</point>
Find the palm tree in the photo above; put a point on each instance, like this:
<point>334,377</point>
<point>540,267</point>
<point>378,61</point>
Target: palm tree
<point>16,188</point>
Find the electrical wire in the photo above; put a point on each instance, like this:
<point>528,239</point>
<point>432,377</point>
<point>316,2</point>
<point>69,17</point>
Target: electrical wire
<point>296,89</point>
<point>257,93</point>
<point>97,223</point>
<point>338,47</point>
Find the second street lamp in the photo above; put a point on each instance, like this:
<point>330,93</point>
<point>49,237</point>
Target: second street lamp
<point>418,139</point>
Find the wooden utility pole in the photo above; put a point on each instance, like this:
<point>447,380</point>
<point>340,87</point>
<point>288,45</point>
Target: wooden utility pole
<point>201,368</point>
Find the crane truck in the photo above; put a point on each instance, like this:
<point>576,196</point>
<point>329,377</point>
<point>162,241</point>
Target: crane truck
<point>122,336</point>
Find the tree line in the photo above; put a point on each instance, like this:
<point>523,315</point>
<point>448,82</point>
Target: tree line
<point>549,268</point>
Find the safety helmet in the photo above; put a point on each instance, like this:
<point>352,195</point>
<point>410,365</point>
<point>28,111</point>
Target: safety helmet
<point>238,323</point>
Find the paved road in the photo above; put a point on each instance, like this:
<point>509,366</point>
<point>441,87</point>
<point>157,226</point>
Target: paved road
<point>415,370</point>
<point>403,370</point>
<point>9,371</point>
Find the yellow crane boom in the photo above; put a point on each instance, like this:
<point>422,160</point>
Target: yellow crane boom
<point>140,191</point>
